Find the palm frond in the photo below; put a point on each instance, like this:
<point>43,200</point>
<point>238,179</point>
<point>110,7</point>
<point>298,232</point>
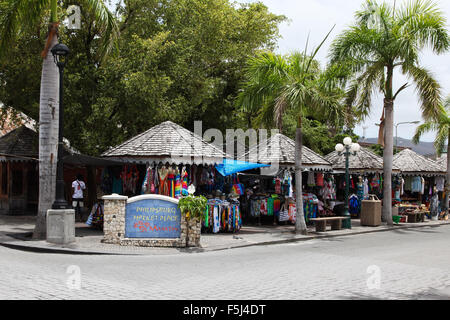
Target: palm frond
<point>421,130</point>
<point>441,139</point>
<point>423,22</point>
<point>441,126</point>
<point>428,89</point>
<point>366,85</point>
<point>15,16</point>
<point>106,22</point>
<point>358,43</point>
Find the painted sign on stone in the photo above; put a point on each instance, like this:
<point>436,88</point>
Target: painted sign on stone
<point>152,218</point>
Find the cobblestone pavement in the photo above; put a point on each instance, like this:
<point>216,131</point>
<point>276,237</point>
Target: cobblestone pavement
<point>411,264</point>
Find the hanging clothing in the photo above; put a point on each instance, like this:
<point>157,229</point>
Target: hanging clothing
<point>434,205</point>
<point>278,186</point>
<point>422,188</point>
<point>353,205</point>
<point>408,183</point>
<point>263,208</point>
<point>184,182</point>
<point>292,212</point>
<point>440,183</point>
<point>177,186</point>
<point>216,226</point>
<point>416,185</point>
<point>163,181</point>
<point>319,180</point>
<point>328,191</point>
<point>117,185</point>
<point>360,194</point>
<point>311,182</point>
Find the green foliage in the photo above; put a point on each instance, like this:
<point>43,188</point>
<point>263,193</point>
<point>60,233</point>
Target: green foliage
<point>193,206</point>
<point>279,90</point>
<point>441,126</point>
<point>377,149</point>
<point>178,60</point>
<point>277,85</point>
<point>317,135</point>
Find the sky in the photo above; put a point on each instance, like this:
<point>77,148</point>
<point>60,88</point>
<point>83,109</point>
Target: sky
<point>317,17</point>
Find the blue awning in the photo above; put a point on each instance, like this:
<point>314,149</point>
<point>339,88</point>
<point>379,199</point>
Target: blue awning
<point>230,166</point>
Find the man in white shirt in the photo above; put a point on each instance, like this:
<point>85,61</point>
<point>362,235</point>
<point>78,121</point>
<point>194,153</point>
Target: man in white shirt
<point>77,196</point>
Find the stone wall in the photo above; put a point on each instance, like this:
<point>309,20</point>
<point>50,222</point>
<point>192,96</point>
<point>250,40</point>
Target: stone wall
<point>194,231</point>
<point>114,228</point>
<point>114,218</point>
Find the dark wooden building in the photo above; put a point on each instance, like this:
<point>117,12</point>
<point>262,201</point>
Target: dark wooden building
<point>19,172</point>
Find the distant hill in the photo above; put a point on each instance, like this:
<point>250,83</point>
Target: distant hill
<point>423,148</point>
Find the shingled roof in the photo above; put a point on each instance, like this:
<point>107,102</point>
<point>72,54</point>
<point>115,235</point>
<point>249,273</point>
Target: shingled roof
<point>167,142</point>
<point>412,163</point>
<point>364,161</point>
<point>281,149</point>
<point>20,144</point>
<point>442,161</point>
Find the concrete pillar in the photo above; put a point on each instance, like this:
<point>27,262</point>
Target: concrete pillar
<point>61,226</point>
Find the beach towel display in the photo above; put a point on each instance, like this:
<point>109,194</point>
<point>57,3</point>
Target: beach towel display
<point>222,216</point>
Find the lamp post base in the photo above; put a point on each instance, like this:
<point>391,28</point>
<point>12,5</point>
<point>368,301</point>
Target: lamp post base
<point>347,223</point>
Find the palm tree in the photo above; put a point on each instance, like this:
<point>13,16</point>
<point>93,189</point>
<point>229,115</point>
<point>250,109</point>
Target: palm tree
<point>16,15</point>
<point>442,128</point>
<point>383,39</point>
<point>276,84</point>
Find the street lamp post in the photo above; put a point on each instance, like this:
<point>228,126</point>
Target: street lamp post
<point>60,52</point>
<point>396,131</point>
<point>347,149</point>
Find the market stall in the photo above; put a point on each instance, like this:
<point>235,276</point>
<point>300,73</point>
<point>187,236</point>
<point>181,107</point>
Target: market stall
<point>366,177</point>
<point>421,185</point>
<point>270,192</point>
<point>19,172</point>
<point>166,160</point>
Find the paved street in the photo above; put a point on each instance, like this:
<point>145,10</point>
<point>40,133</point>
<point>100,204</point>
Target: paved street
<point>411,264</point>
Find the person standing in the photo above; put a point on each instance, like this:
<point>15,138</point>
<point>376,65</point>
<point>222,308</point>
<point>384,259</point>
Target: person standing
<point>77,196</point>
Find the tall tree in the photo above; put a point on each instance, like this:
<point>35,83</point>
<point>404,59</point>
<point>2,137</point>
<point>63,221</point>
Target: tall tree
<point>276,85</point>
<point>382,40</point>
<point>15,17</point>
<point>178,60</point>
<point>441,126</point>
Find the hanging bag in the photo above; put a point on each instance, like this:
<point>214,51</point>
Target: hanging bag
<point>238,188</point>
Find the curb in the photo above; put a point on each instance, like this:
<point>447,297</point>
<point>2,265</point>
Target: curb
<point>62,250</point>
<point>323,236</point>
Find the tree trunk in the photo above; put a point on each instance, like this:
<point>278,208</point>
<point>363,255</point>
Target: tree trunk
<point>48,140</point>
<point>388,155</point>
<point>300,224</point>
<point>447,182</point>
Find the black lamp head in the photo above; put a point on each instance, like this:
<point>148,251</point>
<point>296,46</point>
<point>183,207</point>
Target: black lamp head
<point>59,51</point>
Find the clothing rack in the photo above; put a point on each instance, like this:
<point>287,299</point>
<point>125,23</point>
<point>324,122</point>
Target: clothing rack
<point>222,216</point>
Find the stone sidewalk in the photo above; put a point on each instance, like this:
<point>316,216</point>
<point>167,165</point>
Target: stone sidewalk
<point>15,232</point>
